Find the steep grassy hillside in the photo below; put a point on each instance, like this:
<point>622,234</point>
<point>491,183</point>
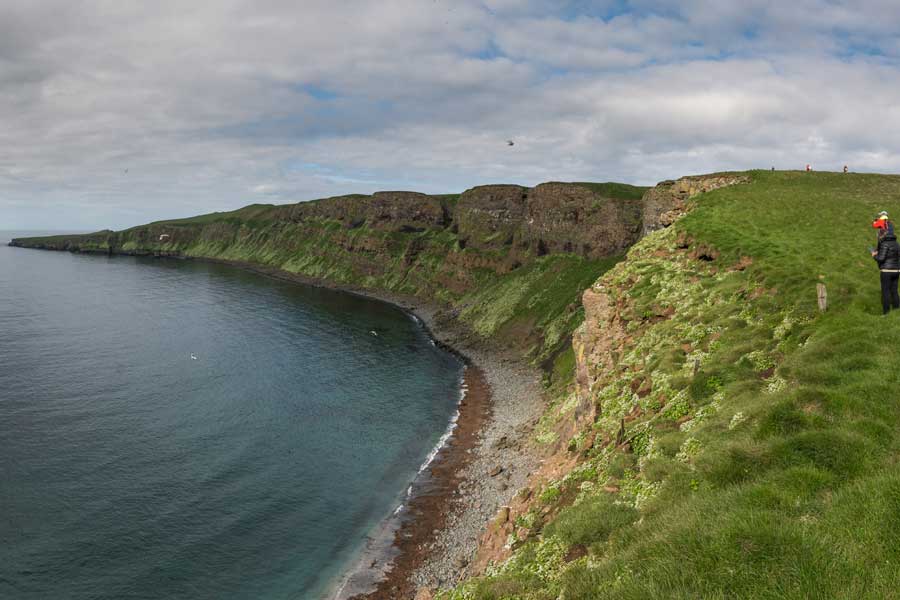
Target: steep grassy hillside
<point>724,438</point>
<point>511,261</point>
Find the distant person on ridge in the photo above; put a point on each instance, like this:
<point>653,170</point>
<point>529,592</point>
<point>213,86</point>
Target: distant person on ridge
<point>887,255</point>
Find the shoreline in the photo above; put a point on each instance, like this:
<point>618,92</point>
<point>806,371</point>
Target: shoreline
<point>434,544</point>
<point>432,537</point>
<point>485,461</point>
<point>385,568</point>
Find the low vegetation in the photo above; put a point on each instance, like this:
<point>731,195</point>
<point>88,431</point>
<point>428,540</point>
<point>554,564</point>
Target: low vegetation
<point>615,190</point>
<point>760,456</point>
<point>539,302</point>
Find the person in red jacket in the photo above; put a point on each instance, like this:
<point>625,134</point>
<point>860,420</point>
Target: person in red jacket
<point>887,255</point>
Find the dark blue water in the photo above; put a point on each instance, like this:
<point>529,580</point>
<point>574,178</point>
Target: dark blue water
<point>129,470</point>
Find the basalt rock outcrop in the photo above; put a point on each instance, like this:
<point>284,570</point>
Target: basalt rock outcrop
<point>597,341</point>
<point>492,216</point>
<point>550,218</point>
<point>389,211</point>
<point>665,202</point>
<point>570,218</point>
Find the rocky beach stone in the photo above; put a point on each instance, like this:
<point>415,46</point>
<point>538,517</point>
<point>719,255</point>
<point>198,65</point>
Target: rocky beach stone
<point>517,402</point>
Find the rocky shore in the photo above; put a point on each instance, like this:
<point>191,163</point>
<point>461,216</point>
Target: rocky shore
<point>500,459</point>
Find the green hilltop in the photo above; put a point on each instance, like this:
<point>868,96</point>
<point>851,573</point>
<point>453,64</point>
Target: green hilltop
<point>741,444</point>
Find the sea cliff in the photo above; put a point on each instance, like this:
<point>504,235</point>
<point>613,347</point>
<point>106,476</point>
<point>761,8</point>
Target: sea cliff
<point>722,431</point>
<point>500,272</point>
<point>508,261</point>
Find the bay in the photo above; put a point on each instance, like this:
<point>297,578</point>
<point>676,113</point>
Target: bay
<point>255,469</point>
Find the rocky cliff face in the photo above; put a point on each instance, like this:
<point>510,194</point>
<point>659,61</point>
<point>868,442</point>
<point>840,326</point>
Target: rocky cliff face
<point>613,388</point>
<point>550,218</point>
<point>665,202</point>
<point>512,260</point>
<point>389,211</point>
<point>600,338</point>
<point>571,218</point>
<point>492,216</point>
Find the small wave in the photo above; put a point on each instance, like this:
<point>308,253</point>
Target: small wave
<point>392,522</point>
<point>451,427</point>
<point>441,443</point>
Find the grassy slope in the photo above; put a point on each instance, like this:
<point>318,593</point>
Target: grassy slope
<point>740,481</point>
<point>541,297</point>
<point>612,189</point>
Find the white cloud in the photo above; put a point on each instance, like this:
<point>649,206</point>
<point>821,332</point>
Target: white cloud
<point>116,113</point>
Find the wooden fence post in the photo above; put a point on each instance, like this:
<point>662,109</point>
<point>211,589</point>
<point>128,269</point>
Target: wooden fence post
<point>823,296</point>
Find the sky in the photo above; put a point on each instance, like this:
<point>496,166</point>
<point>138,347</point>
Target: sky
<point>114,113</point>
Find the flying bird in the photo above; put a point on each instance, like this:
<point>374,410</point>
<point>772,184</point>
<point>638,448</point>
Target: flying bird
<point>510,143</point>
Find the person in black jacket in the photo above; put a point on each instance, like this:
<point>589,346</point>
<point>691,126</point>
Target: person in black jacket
<point>888,258</point>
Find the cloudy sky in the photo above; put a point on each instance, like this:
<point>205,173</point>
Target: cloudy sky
<point>114,113</point>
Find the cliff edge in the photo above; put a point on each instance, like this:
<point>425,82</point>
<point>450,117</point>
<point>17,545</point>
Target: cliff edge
<point>721,433</point>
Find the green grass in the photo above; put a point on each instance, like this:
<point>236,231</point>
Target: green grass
<point>591,522</point>
<point>782,483</point>
<point>621,191</point>
<point>540,302</point>
<point>251,213</point>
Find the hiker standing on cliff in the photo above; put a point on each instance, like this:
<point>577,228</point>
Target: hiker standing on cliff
<point>887,255</point>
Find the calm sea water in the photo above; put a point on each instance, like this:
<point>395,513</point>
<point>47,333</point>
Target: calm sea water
<point>130,470</point>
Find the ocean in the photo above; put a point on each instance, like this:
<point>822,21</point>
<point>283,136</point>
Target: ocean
<point>181,429</point>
